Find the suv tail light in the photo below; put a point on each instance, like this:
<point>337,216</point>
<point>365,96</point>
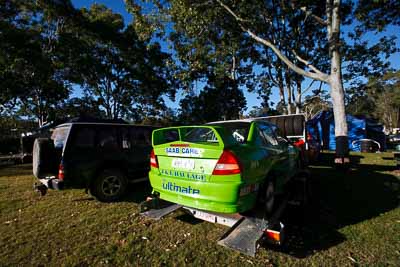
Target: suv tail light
<point>227,164</point>
<point>61,171</point>
<point>153,159</point>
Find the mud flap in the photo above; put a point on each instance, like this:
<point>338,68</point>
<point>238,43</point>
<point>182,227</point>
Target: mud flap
<point>244,236</point>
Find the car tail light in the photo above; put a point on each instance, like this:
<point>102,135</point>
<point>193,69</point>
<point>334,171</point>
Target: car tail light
<point>227,164</point>
<point>153,159</point>
<point>299,143</point>
<point>61,171</point>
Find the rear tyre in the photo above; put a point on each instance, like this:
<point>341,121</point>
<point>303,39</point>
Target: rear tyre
<point>269,198</point>
<point>266,199</point>
<point>109,186</point>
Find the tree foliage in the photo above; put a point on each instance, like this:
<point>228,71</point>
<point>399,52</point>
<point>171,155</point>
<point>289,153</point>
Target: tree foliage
<point>47,46</point>
<point>380,98</point>
<point>221,99</point>
<point>30,75</point>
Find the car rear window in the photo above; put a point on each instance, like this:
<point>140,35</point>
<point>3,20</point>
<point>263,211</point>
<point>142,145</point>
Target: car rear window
<point>239,131</point>
<point>59,136</point>
<point>200,135</point>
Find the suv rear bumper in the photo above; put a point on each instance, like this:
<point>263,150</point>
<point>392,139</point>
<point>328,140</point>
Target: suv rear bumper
<point>52,183</point>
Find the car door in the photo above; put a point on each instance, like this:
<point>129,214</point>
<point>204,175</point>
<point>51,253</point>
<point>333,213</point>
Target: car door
<point>265,153</point>
<point>280,149</point>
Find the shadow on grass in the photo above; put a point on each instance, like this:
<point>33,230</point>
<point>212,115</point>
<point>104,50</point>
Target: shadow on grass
<point>138,192</point>
<point>16,169</point>
<point>339,198</point>
<point>84,199</point>
<point>187,218</point>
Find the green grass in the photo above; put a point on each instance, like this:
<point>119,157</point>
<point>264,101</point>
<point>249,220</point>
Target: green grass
<point>354,219</point>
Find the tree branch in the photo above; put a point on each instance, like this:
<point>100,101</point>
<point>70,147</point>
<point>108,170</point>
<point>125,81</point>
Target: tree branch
<point>272,77</point>
<point>309,13</point>
<point>307,63</point>
<point>231,12</point>
<point>308,88</point>
<point>316,76</point>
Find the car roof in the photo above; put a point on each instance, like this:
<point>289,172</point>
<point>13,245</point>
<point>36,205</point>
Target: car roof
<point>230,121</point>
<point>104,123</point>
<point>249,120</point>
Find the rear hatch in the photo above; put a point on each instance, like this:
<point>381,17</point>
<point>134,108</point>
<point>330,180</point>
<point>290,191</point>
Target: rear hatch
<point>47,153</point>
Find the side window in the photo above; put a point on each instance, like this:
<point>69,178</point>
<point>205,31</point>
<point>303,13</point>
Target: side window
<point>125,137</point>
<point>107,138</point>
<point>262,138</point>
<point>141,136</point>
<point>84,137</point>
<point>269,135</point>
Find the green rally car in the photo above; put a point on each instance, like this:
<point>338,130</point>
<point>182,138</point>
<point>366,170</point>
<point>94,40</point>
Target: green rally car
<point>224,167</point>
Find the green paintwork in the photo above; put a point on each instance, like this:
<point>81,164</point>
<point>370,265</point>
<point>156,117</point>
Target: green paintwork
<point>219,193</point>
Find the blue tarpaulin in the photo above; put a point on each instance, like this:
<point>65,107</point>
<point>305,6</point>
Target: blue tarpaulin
<point>322,128</point>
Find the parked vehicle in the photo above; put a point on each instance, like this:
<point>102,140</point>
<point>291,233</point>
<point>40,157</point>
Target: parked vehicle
<point>100,156</point>
<point>225,167</point>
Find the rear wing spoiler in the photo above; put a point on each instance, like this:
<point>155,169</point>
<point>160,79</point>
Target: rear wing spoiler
<point>205,135</point>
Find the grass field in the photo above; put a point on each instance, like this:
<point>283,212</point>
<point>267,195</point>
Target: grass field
<point>354,219</point>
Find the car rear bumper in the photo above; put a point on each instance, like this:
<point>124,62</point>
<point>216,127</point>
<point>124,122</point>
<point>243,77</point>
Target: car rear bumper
<point>214,196</point>
<point>52,183</point>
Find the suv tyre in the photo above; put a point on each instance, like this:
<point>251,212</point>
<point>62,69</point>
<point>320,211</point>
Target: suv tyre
<point>109,186</point>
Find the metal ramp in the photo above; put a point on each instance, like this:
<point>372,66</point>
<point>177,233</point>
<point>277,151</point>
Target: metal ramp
<point>245,232</point>
<point>244,236</point>
<point>157,214</point>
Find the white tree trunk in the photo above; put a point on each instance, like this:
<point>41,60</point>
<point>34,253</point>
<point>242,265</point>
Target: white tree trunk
<point>337,95</point>
<point>298,97</point>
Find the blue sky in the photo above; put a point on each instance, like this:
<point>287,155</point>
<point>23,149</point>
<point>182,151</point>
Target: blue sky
<point>118,6</point>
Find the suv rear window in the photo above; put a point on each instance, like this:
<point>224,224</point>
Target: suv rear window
<point>59,136</point>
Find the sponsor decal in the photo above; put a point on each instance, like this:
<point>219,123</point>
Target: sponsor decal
<point>180,189</point>
<point>184,151</point>
<point>182,174</point>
